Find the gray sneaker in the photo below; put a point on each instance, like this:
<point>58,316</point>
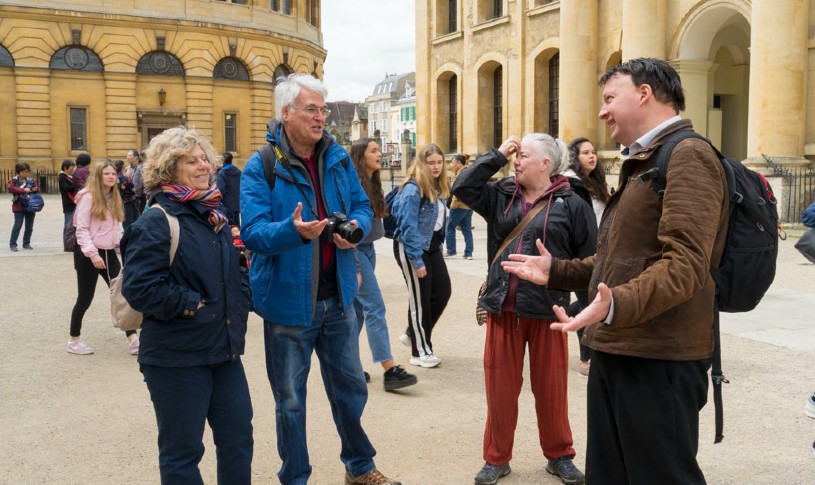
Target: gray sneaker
<point>565,469</point>
<point>490,474</point>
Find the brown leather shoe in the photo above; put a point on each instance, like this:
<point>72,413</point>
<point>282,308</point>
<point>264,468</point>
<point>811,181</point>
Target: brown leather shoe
<point>373,477</point>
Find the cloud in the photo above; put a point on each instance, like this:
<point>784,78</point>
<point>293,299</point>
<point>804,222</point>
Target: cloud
<point>366,39</point>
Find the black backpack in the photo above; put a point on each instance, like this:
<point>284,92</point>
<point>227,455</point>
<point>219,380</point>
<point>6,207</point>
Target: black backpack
<point>747,268</point>
<point>389,221</point>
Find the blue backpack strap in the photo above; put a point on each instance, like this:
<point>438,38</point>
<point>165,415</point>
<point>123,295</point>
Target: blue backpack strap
<point>269,161</point>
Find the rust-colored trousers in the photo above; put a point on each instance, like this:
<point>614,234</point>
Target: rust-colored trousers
<point>507,339</point>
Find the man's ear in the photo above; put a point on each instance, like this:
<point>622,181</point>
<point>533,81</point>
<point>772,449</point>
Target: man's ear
<point>645,92</point>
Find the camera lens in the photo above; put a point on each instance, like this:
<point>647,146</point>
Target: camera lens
<point>350,232</point>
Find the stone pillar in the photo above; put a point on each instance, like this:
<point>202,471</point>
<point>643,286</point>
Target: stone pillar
<point>199,105</point>
<point>778,97</point>
<point>423,74</point>
<point>578,70</point>
<point>33,96</point>
<point>262,111</point>
<point>643,28</point>
<point>120,114</point>
<point>695,77</point>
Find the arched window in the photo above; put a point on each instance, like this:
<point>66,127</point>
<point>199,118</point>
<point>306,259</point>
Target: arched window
<point>280,71</point>
<point>230,68</point>
<point>554,95</point>
<point>159,63</point>
<point>5,58</point>
<point>452,89</point>
<point>76,58</point>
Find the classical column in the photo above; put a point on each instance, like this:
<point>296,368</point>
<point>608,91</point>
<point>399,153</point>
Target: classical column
<point>120,114</point>
<point>778,98</point>
<point>695,76</point>
<point>423,74</point>
<point>199,105</point>
<point>578,69</point>
<point>33,96</point>
<point>262,111</point>
<point>643,28</point>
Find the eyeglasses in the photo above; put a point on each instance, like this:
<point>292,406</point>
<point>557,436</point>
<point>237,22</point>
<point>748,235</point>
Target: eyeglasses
<point>313,110</point>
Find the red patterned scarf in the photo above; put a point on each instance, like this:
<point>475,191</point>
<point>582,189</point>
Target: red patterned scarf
<point>210,199</point>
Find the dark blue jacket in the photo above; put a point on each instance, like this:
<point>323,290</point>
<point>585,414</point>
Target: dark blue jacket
<point>174,333</point>
<point>808,217</point>
<point>228,180</point>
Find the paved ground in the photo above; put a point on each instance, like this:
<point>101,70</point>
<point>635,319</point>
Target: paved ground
<point>68,419</point>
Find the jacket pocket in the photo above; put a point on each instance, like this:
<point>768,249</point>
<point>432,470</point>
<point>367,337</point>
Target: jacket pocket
<point>622,271</point>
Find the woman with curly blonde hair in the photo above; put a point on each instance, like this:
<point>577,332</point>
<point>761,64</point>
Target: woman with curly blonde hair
<point>195,311</point>
<point>98,220</point>
<point>420,221</point>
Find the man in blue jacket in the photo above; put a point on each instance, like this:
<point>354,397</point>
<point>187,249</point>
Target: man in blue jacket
<point>304,276</point>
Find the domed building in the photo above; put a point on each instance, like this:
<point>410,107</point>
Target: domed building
<point>105,77</point>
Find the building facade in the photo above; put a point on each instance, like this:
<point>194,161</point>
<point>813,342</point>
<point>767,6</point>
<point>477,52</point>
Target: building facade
<point>104,77</point>
<point>490,68</point>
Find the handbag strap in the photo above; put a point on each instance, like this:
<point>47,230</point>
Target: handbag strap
<point>521,226</point>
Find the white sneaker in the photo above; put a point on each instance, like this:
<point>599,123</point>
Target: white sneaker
<point>133,346</point>
<point>78,347</point>
<point>405,339</point>
<point>426,361</point>
<point>809,407</point>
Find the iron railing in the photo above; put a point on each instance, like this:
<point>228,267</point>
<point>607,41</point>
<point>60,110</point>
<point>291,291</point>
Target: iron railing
<point>47,179</point>
<point>798,186</point>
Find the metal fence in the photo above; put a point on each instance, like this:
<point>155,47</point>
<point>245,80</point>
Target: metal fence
<point>47,179</point>
<point>798,190</point>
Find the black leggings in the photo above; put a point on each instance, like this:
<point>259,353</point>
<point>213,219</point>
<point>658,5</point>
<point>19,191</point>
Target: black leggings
<point>86,277</point>
<point>427,296</point>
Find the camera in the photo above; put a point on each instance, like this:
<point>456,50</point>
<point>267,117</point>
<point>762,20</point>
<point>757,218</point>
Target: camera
<point>338,224</point>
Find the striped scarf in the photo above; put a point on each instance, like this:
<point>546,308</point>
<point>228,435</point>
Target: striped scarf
<point>210,199</point>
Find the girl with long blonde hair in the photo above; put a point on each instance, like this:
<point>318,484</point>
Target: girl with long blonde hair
<point>98,221</point>
<point>420,221</point>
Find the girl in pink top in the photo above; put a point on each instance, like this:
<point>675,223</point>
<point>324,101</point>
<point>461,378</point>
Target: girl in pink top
<point>98,220</point>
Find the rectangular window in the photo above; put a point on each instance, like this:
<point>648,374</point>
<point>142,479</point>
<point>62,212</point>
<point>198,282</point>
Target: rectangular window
<point>452,88</point>
<point>384,127</point>
<point>452,24</point>
<point>554,95</point>
<point>498,9</point>
<point>79,129</point>
<point>283,6</point>
<point>231,132</point>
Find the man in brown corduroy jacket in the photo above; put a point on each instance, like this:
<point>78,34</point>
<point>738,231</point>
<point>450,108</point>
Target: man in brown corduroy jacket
<point>650,323</point>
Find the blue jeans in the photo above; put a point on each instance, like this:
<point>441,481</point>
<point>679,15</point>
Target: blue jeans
<point>67,218</point>
<point>333,335</point>
<point>184,399</point>
<point>19,217</point>
<point>370,307</point>
<point>463,218</point>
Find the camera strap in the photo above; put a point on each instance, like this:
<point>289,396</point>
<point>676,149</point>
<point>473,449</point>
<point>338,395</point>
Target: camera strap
<point>278,153</point>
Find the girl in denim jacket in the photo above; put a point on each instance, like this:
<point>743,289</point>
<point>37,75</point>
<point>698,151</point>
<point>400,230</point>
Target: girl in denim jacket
<point>420,221</point>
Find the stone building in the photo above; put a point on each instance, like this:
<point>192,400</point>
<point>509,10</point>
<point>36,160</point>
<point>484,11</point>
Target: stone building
<point>490,68</point>
<point>104,77</point>
<point>340,121</point>
<point>386,93</point>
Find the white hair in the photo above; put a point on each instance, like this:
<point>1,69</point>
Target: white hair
<point>289,87</point>
<point>546,146</point>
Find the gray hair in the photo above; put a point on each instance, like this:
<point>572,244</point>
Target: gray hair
<point>288,88</point>
<point>551,148</point>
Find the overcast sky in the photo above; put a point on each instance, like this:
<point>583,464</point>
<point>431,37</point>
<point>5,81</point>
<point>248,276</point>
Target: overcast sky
<point>366,39</point>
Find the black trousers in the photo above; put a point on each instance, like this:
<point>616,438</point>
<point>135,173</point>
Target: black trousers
<point>643,420</point>
<point>428,296</point>
<point>86,277</point>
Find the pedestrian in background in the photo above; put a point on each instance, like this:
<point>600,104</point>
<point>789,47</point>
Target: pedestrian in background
<point>128,193</point>
<point>461,216</point>
<point>98,220</point>
<point>137,178</point>
<point>369,304</point>
<point>67,190</point>
<point>228,180</point>
<point>20,186</point>
<point>83,161</point>
<point>195,309</point>
<point>420,221</point>
<point>588,179</point>
<point>539,200</point>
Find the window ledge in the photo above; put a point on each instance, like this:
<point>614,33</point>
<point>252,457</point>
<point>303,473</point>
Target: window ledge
<point>448,37</point>
<point>541,9</point>
<point>491,23</point>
